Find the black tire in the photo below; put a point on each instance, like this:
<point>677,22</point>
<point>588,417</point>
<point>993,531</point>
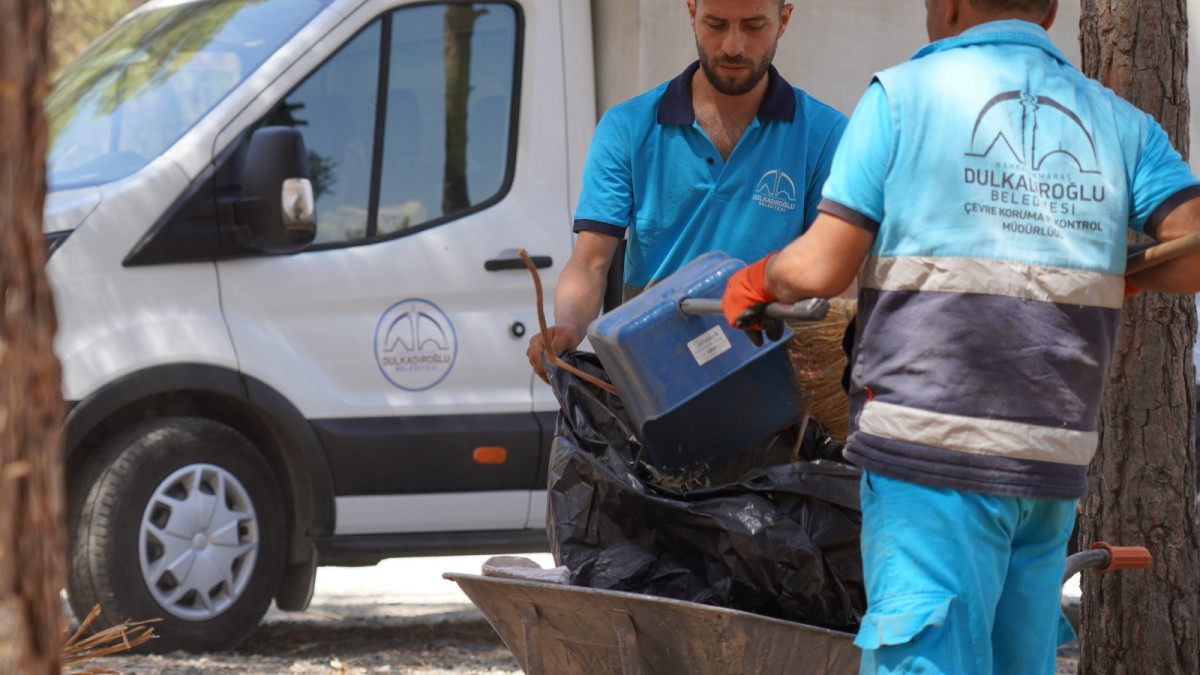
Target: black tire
<point>181,464</point>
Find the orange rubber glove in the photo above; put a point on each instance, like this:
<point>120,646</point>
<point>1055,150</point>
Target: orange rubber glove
<point>745,297</point>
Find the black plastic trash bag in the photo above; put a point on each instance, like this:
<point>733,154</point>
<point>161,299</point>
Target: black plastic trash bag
<point>780,540</point>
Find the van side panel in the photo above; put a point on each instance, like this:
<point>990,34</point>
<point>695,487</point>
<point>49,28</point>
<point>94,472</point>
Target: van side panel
<point>114,320</point>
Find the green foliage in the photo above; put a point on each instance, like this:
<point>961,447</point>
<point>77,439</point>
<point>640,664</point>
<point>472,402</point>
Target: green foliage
<point>75,23</point>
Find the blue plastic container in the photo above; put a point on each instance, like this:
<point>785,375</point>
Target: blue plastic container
<point>698,390</point>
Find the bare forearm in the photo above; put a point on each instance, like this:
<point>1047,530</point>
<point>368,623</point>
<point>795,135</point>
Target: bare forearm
<point>822,263</point>
<point>579,298</point>
<point>1180,275</point>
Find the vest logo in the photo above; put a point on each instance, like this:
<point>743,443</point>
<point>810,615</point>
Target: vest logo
<point>1019,126</point>
<point>1033,170</point>
<point>776,191</point>
<point>415,344</point>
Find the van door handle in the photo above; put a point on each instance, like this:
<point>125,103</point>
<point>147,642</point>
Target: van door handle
<point>496,264</point>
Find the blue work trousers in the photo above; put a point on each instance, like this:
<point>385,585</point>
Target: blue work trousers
<point>961,582</point>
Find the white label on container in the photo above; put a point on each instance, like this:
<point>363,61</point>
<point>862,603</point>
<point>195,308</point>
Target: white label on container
<point>711,344</point>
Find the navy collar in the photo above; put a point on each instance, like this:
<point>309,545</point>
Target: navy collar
<point>779,103</point>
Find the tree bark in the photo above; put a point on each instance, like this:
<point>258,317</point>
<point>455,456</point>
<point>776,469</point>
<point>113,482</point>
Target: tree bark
<point>1143,481</point>
<point>31,545</point>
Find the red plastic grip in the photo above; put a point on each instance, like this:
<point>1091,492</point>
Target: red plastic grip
<point>1123,557</point>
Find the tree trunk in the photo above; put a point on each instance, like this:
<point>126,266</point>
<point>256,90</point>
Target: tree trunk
<point>31,545</point>
<point>1143,481</point>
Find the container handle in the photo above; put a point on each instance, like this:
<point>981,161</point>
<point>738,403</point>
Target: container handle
<point>812,309</point>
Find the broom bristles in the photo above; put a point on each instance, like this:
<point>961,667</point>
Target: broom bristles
<point>817,358</point>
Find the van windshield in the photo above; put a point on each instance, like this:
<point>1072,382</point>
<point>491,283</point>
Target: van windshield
<point>137,89</point>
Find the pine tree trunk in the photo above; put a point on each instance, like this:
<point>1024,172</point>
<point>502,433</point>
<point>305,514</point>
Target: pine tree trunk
<point>1143,481</point>
<point>31,548</point>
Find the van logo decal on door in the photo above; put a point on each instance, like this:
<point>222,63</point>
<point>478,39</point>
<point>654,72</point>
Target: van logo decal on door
<point>415,344</point>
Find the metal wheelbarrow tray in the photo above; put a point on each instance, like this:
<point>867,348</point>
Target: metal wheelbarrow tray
<point>575,630</point>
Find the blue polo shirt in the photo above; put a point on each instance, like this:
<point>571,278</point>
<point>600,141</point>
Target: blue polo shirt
<point>1001,184</point>
<point>651,171</point>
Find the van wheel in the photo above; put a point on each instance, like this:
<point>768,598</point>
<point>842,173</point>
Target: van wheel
<point>180,519</point>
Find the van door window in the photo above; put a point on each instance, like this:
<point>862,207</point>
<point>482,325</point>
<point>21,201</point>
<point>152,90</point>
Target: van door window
<point>410,124</point>
<point>449,101</point>
<point>335,110</point>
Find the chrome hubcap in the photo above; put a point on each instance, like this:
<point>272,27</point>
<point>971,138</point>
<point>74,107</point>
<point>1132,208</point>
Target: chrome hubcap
<point>198,542</point>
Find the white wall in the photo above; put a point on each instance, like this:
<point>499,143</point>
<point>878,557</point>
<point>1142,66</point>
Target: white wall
<point>830,49</point>
<point>851,39</point>
<point>1194,84</point>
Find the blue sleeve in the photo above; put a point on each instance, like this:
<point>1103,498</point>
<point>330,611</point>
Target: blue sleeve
<point>862,161</point>
<point>606,199</point>
<point>1159,180</point>
<point>824,149</point>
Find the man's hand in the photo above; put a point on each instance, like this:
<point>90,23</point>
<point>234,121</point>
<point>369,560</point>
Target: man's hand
<point>577,299</point>
<point>561,340</point>
<point>745,298</point>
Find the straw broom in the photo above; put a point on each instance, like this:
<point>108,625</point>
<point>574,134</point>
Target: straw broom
<point>817,358</point>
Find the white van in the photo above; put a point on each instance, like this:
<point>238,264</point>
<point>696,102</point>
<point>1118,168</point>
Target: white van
<point>251,396</point>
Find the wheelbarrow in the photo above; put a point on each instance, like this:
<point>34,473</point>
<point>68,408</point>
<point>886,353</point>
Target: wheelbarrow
<point>573,630</point>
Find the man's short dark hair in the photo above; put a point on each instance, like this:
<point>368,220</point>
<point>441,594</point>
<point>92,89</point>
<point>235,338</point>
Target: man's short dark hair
<point>779,3</point>
<point>1039,7</point>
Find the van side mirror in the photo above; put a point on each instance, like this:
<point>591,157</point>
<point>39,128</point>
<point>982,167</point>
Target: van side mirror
<point>277,206</point>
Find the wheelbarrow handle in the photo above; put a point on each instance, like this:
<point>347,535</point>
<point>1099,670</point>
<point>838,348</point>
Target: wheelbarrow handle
<point>812,309</point>
<point>1103,558</point>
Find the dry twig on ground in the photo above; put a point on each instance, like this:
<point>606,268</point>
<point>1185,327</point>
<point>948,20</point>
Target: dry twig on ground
<point>79,650</point>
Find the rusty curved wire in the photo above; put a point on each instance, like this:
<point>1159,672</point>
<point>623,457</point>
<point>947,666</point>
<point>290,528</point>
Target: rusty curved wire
<point>548,350</point>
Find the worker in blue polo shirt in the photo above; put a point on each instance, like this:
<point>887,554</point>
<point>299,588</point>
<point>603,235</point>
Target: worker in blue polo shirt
<point>727,156</point>
<point>984,189</point>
